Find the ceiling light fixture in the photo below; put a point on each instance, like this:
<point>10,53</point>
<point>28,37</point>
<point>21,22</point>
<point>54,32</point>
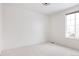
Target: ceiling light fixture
<point>45,4</point>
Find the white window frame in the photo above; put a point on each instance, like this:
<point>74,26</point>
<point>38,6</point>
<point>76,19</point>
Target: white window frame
<point>75,25</point>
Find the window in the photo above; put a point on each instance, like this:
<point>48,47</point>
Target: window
<point>72,26</point>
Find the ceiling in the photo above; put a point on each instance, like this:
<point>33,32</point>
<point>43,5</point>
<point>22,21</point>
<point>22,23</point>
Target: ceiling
<point>51,8</point>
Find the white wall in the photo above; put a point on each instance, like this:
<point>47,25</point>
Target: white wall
<point>57,29</point>
<point>22,27</point>
<point>1,47</point>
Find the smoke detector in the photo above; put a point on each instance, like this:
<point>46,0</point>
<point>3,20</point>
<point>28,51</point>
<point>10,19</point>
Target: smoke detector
<point>45,4</point>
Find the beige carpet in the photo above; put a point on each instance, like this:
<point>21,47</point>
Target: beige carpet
<point>46,49</point>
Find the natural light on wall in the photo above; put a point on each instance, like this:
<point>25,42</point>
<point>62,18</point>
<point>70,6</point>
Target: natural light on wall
<point>72,25</point>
